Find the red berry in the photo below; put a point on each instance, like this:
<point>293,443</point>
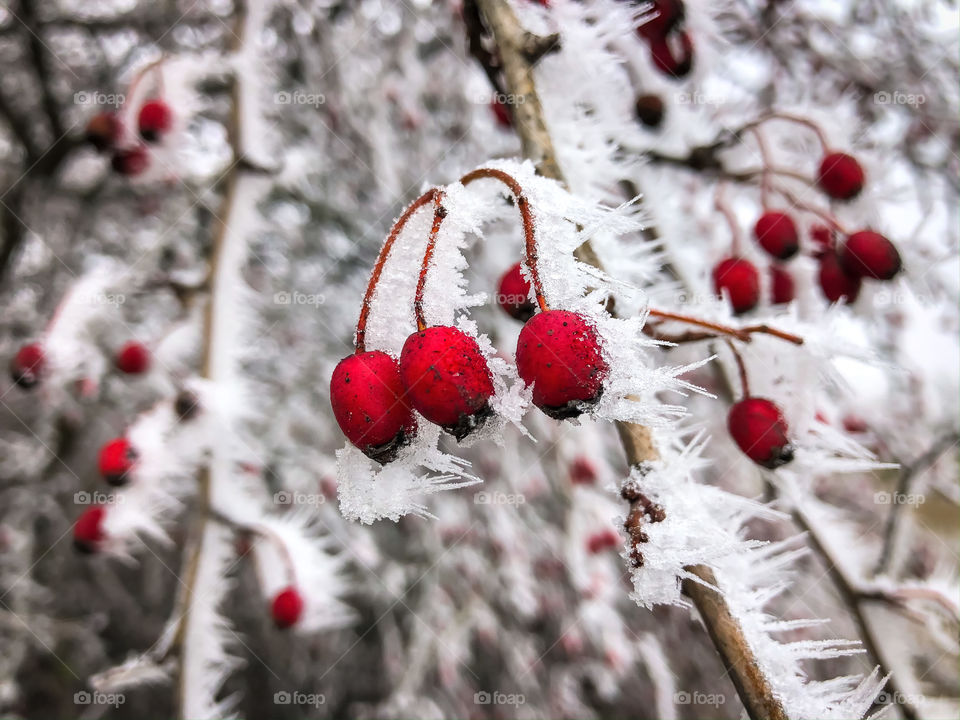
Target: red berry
<point>600,541</point>
<point>650,110</point>
<point>155,120</point>
<point>759,429</point>
<point>131,161</point>
<point>117,458</point>
<point>740,279</point>
<point>513,294</point>
<point>870,254</point>
<point>668,14</point>
<point>582,472</point>
<point>781,285</point>
<point>133,358</point>
<point>287,607</point>
<point>103,130</point>
<point>88,529</point>
<point>447,379</point>
<point>823,237</point>
<point>559,353</point>
<point>777,234</point>
<point>835,282</point>
<point>673,55</point>
<point>370,405</point>
<point>501,112</point>
<point>855,424</point>
<point>840,176</point>
<point>28,365</point>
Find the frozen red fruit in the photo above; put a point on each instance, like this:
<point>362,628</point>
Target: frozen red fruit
<point>513,295</point>
<point>117,458</point>
<point>447,379</point>
<point>582,471</point>
<point>871,255</point>
<point>673,55</point>
<point>28,365</point>
<point>370,404</point>
<point>781,285</point>
<point>855,424</point>
<point>603,540</point>
<point>837,284</point>
<point>840,176</point>
<point>650,110</point>
<point>740,280</point>
<point>287,607</point>
<point>133,358</point>
<point>88,529</point>
<point>663,17</point>
<point>103,130</point>
<point>154,120</point>
<point>777,234</point>
<point>758,427</point>
<point>823,239</point>
<point>501,113</point>
<point>559,353</point>
<point>131,161</point>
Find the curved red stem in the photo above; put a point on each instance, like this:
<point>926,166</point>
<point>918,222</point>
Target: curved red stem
<point>744,384</point>
<point>439,213</point>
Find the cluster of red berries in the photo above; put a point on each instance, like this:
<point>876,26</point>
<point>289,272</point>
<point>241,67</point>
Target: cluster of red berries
<point>671,48</point>
<point>863,254</point>
<point>105,133</point>
<point>29,365</point>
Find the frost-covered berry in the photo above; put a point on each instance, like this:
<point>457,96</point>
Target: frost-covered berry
<point>513,295</point>
<point>673,55</point>
<point>154,120</point>
<point>869,254</point>
<point>582,471</point>
<point>840,176</point>
<point>117,458</point>
<point>501,113</point>
<point>370,404</point>
<point>664,16</point>
<point>758,427</point>
<point>781,285</point>
<point>88,529</point>
<point>740,280</point>
<point>103,130</point>
<point>837,284</point>
<point>130,161</point>
<point>603,540</point>
<point>650,110</point>
<point>27,366</point>
<point>287,607</point>
<point>133,358</point>
<point>560,354</point>
<point>447,379</point>
<point>777,234</point>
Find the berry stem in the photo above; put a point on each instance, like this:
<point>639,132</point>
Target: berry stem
<point>439,213</point>
<point>765,173</point>
<point>827,217</point>
<point>744,384</point>
<point>720,203</point>
<point>742,334</point>
<point>427,197</point>
<point>261,531</point>
<point>530,255</point>
<point>790,117</point>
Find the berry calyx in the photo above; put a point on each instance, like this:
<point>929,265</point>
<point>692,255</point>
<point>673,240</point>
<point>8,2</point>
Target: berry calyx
<point>103,130</point>
<point>740,280</point>
<point>28,365</point>
<point>650,110</point>
<point>501,113</point>
<point>370,404</point>
<point>513,295</point>
<point>664,16</point>
<point>870,254</point>
<point>154,120</point>
<point>117,458</point>
<point>837,284</point>
<point>88,529</point>
<point>133,358</point>
<point>777,234</point>
<point>131,161</point>
<point>287,607</point>
<point>559,353</point>
<point>840,176</point>
<point>782,288</point>
<point>186,405</point>
<point>758,427</point>
<point>447,379</point>
<point>673,54</point>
